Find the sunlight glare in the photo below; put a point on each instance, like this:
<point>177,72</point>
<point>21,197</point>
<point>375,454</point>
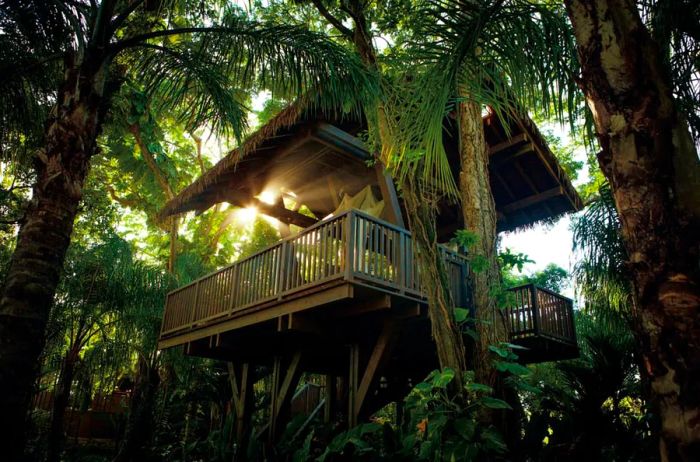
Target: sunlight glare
<point>246,216</point>
<point>268,196</point>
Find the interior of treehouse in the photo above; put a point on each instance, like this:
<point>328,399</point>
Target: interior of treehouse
<point>340,294</point>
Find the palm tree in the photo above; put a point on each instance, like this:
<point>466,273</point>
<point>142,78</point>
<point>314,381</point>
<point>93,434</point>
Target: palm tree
<point>465,55</point>
<point>583,409</point>
<point>419,203</point>
<point>600,272</point>
<point>66,61</point>
<point>649,158</point>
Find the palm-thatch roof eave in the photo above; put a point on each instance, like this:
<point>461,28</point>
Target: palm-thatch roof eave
<point>182,203</point>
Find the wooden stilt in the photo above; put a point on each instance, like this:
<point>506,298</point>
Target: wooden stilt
<point>353,372</point>
<point>242,390</point>
<point>358,386</point>
<point>330,398</point>
<point>285,377</point>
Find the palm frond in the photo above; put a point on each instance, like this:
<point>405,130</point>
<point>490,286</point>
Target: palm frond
<point>197,69</point>
<point>506,55</point>
<point>601,275</point>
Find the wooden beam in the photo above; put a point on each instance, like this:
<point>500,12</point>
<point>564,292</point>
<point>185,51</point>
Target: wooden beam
<point>353,372</point>
<point>330,404</point>
<point>257,315</point>
<point>509,143</point>
<point>502,158</point>
<point>378,354</point>
<point>391,199</point>
<point>381,302</point>
<point>531,200</point>
<point>280,396</point>
<point>299,323</point>
<point>503,183</point>
<point>241,390</point>
<point>358,387</point>
<point>529,182</point>
<point>277,211</point>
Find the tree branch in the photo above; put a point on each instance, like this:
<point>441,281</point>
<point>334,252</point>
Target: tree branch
<point>198,146</point>
<point>335,22</point>
<point>151,161</point>
<point>120,200</point>
<point>138,39</point>
<point>116,22</point>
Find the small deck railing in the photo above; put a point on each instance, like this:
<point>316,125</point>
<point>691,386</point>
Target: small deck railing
<point>536,311</point>
<point>352,246</point>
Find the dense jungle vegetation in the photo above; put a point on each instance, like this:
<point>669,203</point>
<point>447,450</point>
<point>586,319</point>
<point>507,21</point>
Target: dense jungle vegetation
<point>110,108</point>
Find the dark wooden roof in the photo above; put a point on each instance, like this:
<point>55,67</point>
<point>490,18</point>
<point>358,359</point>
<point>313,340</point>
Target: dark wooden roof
<point>527,182</point>
<point>314,156</point>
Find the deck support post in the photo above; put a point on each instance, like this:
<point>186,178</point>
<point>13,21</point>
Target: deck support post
<point>358,386</point>
<point>285,378</point>
<point>535,309</point>
<point>242,392</point>
<point>330,404</point>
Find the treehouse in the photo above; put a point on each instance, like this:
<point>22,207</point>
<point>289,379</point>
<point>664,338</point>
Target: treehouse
<point>340,294</point>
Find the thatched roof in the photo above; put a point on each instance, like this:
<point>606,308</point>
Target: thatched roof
<point>527,181</point>
<point>183,202</point>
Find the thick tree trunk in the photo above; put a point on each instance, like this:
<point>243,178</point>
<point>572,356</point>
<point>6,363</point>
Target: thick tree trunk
<point>37,262</point>
<point>420,211</point>
<point>479,212</point>
<point>139,426</point>
<point>60,403</point>
<point>653,170</point>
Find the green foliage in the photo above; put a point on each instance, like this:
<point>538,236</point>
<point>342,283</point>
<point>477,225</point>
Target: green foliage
<point>437,425</point>
<point>601,274</point>
<point>508,260</point>
<point>591,408</point>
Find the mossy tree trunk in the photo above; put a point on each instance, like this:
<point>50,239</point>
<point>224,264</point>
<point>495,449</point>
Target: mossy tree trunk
<point>61,399</point>
<point>140,422</point>
<point>652,166</point>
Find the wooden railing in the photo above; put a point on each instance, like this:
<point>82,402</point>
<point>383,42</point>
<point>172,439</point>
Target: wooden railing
<point>353,246</point>
<point>536,311</point>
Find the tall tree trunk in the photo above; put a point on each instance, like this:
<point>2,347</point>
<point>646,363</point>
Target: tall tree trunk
<point>421,206</point>
<point>651,164</point>
<point>139,426</point>
<point>60,403</point>
<point>420,210</point>
<point>37,262</point>
<point>479,212</point>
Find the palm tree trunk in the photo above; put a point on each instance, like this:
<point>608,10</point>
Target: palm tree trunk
<point>653,169</point>
<point>60,403</point>
<point>479,212</point>
<point>36,264</point>
<point>420,211</point>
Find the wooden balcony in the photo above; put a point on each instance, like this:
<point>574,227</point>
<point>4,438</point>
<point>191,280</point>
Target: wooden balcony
<point>335,272</point>
<point>350,256</point>
<point>542,321</point>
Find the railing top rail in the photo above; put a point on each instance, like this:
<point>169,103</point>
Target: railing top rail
<point>541,289</point>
